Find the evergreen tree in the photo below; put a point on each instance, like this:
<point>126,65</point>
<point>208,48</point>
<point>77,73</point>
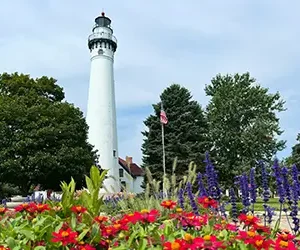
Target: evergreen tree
<point>43,138</point>
<point>243,125</point>
<point>185,134</point>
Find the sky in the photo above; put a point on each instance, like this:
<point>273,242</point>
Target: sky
<point>159,43</point>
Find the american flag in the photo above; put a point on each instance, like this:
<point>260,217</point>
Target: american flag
<point>163,117</point>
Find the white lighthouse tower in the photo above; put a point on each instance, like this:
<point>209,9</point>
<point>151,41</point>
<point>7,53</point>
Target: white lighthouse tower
<point>101,110</point>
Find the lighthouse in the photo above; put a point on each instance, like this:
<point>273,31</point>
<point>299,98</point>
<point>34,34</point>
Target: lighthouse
<point>101,108</point>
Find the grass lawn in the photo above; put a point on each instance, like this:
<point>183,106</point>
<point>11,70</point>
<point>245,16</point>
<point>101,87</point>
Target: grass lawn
<point>258,206</point>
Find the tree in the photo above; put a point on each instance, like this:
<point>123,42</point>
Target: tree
<point>243,125</point>
<point>185,133</point>
<point>43,138</point>
<point>295,157</point>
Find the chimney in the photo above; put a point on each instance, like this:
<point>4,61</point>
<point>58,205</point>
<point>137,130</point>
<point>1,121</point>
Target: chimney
<point>128,160</point>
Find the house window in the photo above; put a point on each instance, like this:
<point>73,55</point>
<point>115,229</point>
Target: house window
<point>123,186</point>
<point>121,172</point>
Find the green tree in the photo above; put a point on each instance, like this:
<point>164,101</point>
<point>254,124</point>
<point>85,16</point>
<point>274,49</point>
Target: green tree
<point>43,138</point>
<point>185,133</point>
<point>295,157</point>
<point>243,125</point>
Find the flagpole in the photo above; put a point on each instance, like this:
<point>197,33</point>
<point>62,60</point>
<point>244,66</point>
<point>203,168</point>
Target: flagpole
<point>163,151</point>
<point>164,156</point>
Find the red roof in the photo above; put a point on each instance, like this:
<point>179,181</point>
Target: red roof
<point>134,170</point>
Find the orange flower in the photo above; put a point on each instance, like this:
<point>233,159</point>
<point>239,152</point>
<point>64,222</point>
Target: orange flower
<point>169,204</point>
<point>65,236</point>
<point>188,238</point>
<point>2,211</point>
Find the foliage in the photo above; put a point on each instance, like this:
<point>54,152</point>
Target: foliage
<point>295,157</point>
<point>243,125</point>
<point>8,190</point>
<point>43,138</point>
<point>185,134</point>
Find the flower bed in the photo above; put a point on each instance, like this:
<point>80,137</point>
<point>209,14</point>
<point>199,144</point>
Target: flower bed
<point>42,226</point>
<point>187,221</point>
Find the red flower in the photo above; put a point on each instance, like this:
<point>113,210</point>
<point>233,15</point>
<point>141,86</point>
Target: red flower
<point>78,209</point>
<point>284,245</point>
<point>244,235</point>
<point>132,218</point>
<point>32,207</point>
<point>248,220</point>
<point>261,228</point>
<point>21,207</point>
<point>192,220</point>
<point>259,242</point>
<point>84,247</point>
<point>4,248</point>
<point>178,244</point>
<point>149,216</point>
<point>207,202</point>
<point>285,236</point>
<point>229,227</point>
<point>169,204</point>
<point>207,242</point>
<point>108,231</point>
<point>42,208</point>
<point>100,219</point>
<point>65,236</point>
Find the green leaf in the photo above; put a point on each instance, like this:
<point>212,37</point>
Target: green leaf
<point>82,234</point>
<point>11,242</point>
<point>142,244</point>
<point>73,221</point>
<point>89,184</point>
<point>132,238</point>
<point>40,248</point>
<point>28,233</point>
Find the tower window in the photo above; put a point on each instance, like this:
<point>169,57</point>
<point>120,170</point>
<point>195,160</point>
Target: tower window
<point>114,153</point>
<point>121,172</point>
